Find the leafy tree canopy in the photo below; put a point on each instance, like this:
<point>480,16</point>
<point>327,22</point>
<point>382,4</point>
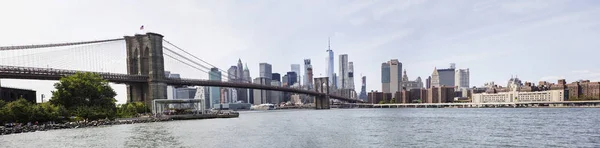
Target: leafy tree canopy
<point>83,90</point>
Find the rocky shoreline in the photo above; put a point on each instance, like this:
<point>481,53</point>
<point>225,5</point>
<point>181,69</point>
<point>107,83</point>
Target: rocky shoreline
<point>78,124</point>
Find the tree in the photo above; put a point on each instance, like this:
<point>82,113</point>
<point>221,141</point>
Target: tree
<point>19,110</point>
<point>140,107</point>
<point>417,101</point>
<point>393,100</point>
<point>44,112</point>
<point>86,95</point>
<point>2,103</point>
<point>131,109</point>
<point>3,114</point>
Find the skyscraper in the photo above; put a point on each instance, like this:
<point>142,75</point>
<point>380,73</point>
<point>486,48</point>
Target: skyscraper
<point>276,77</point>
<point>285,80</point>
<point>232,74</point>
<point>241,93</point>
<point>171,91</point>
<point>391,76</point>
<point>428,82</point>
<point>350,75</point>
<point>363,89</point>
<point>308,74</point>
<point>240,71</point>
<point>335,85</point>
<point>292,78</point>
<point>385,77</point>
<point>275,96</point>
<point>462,78</point>
<point>265,70</point>
<point>443,77</point>
<point>296,68</point>
<point>329,62</point>
<point>207,101</point>
<point>215,92</point>
<point>261,96</point>
<point>247,78</point>
<point>343,72</point>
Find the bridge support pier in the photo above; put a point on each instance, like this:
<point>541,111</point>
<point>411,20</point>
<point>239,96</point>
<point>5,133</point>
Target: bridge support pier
<point>322,86</point>
<point>322,102</point>
<point>145,57</point>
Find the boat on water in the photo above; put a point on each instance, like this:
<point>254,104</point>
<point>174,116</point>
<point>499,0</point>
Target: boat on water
<point>263,107</point>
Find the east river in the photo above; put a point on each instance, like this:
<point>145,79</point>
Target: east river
<point>344,128</point>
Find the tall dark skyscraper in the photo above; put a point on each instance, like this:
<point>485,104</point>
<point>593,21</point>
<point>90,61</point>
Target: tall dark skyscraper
<point>276,77</point>
<point>363,89</point>
<point>428,82</point>
<point>292,78</point>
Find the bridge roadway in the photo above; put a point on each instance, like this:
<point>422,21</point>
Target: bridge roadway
<point>14,72</point>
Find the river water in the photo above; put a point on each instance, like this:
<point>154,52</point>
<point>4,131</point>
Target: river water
<point>344,128</point>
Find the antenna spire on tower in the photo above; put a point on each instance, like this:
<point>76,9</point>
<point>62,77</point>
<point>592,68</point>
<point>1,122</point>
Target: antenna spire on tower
<point>328,43</point>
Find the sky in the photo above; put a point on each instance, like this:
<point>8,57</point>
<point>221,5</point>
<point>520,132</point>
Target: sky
<point>533,39</point>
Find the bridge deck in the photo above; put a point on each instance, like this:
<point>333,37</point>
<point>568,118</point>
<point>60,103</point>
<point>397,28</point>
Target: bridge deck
<point>14,72</point>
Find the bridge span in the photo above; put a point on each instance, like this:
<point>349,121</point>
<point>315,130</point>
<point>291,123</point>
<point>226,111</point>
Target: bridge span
<point>145,77</point>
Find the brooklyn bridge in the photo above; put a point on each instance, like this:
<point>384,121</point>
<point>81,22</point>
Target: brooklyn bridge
<point>145,65</point>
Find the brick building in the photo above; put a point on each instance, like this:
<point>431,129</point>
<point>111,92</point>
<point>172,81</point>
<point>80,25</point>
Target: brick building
<point>443,94</point>
<point>418,94</point>
<point>375,97</point>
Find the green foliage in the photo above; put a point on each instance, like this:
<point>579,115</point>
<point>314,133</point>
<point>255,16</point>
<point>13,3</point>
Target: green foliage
<point>382,102</point>
<point>417,101</point>
<point>2,103</point>
<point>86,95</point>
<point>393,100</point>
<point>131,109</point>
<point>3,114</point>
<point>23,111</point>
<point>19,110</point>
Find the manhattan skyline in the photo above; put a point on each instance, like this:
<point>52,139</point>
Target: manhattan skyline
<point>544,40</point>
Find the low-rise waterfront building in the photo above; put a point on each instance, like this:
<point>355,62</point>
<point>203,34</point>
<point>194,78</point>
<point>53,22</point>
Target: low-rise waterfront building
<point>375,97</point>
<point>443,94</point>
<point>8,94</point>
<point>517,96</point>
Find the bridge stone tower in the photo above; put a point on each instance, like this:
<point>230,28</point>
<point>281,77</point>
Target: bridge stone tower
<point>322,86</point>
<point>145,57</point>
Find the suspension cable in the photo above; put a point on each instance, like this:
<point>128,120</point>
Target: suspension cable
<point>170,56</point>
<point>193,55</point>
<point>2,48</point>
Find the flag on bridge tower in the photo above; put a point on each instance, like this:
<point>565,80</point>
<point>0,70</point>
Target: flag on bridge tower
<point>142,27</point>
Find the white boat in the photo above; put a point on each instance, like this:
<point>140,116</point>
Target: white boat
<point>263,107</point>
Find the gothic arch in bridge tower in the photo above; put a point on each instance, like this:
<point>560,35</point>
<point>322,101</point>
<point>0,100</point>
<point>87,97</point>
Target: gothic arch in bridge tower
<point>135,61</point>
<point>144,61</point>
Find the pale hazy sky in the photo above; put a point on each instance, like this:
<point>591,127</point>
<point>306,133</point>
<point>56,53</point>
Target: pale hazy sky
<point>534,39</point>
